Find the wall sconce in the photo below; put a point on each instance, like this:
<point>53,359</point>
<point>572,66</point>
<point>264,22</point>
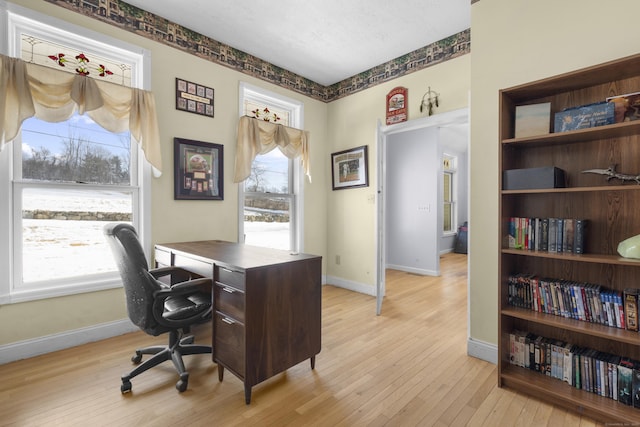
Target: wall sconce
<point>431,102</point>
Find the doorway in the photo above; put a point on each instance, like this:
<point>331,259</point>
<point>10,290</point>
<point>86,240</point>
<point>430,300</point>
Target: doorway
<point>410,196</point>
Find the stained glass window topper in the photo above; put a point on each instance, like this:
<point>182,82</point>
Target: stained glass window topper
<point>50,54</point>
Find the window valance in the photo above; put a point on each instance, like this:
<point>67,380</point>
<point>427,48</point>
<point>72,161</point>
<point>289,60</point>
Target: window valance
<point>259,137</point>
<point>28,90</point>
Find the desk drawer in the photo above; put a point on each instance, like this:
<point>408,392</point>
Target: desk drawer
<point>229,300</point>
<point>230,277</point>
<point>202,268</point>
<point>228,346</point>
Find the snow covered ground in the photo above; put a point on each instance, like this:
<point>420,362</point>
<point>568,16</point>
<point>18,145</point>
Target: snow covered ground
<point>54,248</point>
<point>58,248</point>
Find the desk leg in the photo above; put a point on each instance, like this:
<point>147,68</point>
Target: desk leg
<point>313,362</point>
<point>247,394</point>
<point>220,372</point>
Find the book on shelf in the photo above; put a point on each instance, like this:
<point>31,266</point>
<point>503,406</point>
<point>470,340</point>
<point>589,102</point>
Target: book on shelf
<point>544,234</point>
<point>625,381</point>
<point>560,235</point>
<point>585,116</point>
<point>605,374</point>
<point>578,235</point>
<point>631,308</point>
<point>635,385</point>
<point>555,235</point>
<point>567,365</point>
<point>588,302</point>
<point>511,235</point>
<point>568,235</point>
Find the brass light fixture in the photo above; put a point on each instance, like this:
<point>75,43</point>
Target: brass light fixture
<point>431,102</point>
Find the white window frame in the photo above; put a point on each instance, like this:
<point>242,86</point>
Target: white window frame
<point>451,171</point>
<point>14,19</point>
<point>296,115</point>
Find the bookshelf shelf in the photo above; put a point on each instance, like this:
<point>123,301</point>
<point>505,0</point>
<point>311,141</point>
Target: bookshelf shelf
<point>610,208</point>
<point>562,394</point>
<point>590,258</point>
<point>582,135</point>
<point>628,187</point>
<point>587,328</point>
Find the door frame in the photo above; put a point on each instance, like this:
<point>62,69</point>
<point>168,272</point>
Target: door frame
<point>455,117</point>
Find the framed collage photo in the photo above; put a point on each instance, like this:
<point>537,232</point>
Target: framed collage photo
<point>198,170</point>
<point>194,98</point>
<point>349,168</point>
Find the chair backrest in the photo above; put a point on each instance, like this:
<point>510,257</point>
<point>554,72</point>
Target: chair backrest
<point>139,285</point>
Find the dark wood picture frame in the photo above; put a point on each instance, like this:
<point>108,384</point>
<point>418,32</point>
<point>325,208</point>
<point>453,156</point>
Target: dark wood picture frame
<point>350,168</point>
<point>194,98</point>
<point>198,173</point>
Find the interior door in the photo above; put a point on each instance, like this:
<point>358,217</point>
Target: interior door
<point>381,255</point>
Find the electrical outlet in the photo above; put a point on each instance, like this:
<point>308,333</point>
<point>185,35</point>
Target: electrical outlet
<point>337,259</point>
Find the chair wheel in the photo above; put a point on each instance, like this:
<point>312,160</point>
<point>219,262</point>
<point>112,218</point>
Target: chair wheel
<point>125,387</point>
<point>183,383</point>
<point>137,358</point>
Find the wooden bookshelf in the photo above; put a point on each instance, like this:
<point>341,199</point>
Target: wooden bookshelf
<point>611,207</point>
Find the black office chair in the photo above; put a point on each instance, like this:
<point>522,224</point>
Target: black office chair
<point>167,299</point>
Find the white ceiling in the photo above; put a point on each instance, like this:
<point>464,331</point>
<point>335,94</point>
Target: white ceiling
<point>325,41</point>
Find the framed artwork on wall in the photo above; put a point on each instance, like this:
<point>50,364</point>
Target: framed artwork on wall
<point>198,170</point>
<point>194,98</point>
<point>349,168</point>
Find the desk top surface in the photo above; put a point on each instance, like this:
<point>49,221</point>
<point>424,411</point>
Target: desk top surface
<point>234,254</point>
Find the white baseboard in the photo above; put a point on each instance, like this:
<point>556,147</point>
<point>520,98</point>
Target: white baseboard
<point>351,286</point>
<point>482,350</point>
<point>41,345</point>
<point>419,271</point>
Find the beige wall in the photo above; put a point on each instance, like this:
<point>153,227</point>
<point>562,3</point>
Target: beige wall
<point>177,220</point>
<point>514,42</point>
<point>352,122</point>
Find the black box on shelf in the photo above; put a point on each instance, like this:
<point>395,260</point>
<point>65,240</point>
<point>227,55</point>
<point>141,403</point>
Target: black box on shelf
<point>533,178</point>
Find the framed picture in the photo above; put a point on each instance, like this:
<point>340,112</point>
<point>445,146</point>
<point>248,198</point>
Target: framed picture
<point>194,98</point>
<point>349,168</point>
<point>198,170</point>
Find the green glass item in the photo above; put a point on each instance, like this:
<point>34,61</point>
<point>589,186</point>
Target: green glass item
<point>630,248</point>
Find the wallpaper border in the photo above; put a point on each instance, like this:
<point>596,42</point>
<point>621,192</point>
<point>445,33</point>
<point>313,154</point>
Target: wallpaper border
<point>161,30</point>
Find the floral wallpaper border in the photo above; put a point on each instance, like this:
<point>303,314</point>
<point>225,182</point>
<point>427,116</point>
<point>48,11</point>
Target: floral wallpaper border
<point>161,30</point>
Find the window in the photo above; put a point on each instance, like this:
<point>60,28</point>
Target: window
<point>270,211</point>
<point>65,180</point>
<point>449,219</point>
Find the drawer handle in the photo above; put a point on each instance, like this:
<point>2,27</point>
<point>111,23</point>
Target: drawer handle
<point>227,270</point>
<point>228,289</point>
<point>228,321</point>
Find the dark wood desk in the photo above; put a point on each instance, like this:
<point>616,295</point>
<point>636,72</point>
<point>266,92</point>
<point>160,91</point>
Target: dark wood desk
<point>267,305</point>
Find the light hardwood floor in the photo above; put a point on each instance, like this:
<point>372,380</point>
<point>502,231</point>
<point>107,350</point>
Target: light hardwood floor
<point>407,367</point>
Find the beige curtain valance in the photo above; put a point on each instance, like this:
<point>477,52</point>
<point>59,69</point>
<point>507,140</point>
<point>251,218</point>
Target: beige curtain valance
<point>259,137</point>
<point>28,90</point>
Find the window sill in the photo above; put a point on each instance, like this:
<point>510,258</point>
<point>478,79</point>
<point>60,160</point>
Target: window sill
<point>54,292</point>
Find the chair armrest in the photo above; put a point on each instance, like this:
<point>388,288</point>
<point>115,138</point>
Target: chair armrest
<point>184,288</point>
<point>189,287</point>
<point>176,274</point>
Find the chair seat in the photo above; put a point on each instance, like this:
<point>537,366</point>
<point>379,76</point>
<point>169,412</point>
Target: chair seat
<point>182,307</point>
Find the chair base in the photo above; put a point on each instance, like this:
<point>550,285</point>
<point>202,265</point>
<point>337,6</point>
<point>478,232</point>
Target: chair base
<point>178,346</point>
